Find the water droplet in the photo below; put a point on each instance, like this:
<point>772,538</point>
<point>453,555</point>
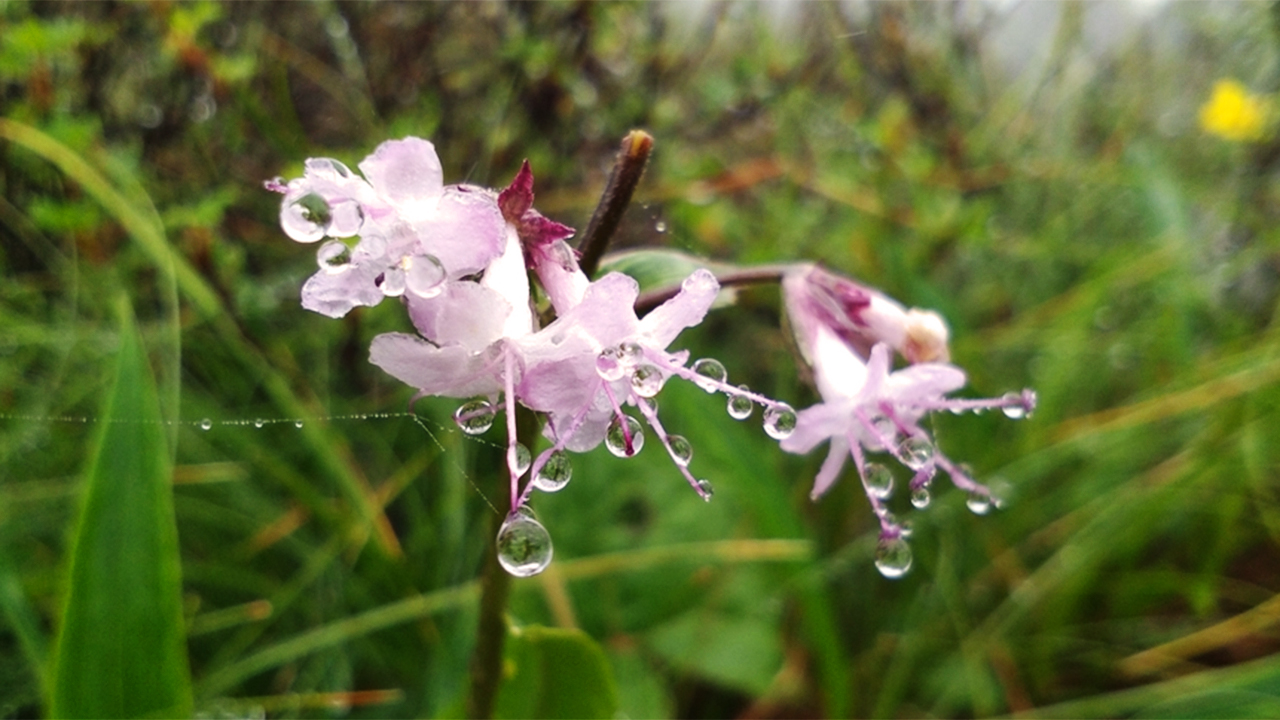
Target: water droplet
<point>334,257</point>
<point>882,428</point>
<point>392,284</point>
<point>297,424</point>
<point>704,487</point>
<point>916,452</point>
<point>609,365</point>
<point>206,424</point>
<point>306,218</point>
<point>555,473</point>
<point>920,498</point>
<point>739,406</point>
<point>779,421</point>
<point>327,168</point>
<point>893,557</point>
<point>474,417</point>
<point>630,353</point>
<point>681,449</point>
<point>524,545</point>
<point>906,528</point>
<point>624,440</point>
<point>424,275</point>
<point>714,372</point>
<point>660,226</point>
<point>518,459</point>
<point>259,423</point>
<point>1013,408</point>
<point>879,480</point>
<point>646,380</point>
<point>978,503</point>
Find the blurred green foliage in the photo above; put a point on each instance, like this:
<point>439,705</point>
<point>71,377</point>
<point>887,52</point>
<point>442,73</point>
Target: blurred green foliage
<point>1055,200</point>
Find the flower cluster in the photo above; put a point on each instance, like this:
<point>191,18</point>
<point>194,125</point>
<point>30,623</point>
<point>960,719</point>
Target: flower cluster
<point>458,256</point>
<point>848,334</point>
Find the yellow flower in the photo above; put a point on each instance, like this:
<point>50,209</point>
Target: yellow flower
<point>1233,113</point>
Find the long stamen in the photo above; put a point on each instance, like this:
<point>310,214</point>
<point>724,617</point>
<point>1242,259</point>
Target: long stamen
<point>510,407</point>
<point>652,418</point>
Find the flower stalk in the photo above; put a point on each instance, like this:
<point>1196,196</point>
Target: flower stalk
<point>627,170</point>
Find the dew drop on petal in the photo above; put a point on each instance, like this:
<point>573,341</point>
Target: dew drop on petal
<point>616,438</point>
<point>555,473</point>
<point>630,353</point>
<point>740,406</point>
<point>893,557</point>
<point>879,480</point>
<point>779,421</point>
<point>474,417</point>
<point>334,257</point>
<point>978,503</point>
<point>524,545</point>
<point>714,372</point>
<point>206,424</point>
<point>424,275</point>
<point>518,459</point>
<point>305,219</point>
<point>704,487</point>
<point>609,365</point>
<point>681,449</point>
<point>392,284</point>
<point>646,380</point>
<point>920,498</point>
<point>916,452</point>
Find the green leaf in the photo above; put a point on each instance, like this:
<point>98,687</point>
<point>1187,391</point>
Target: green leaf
<point>121,648</point>
<point>555,673</point>
<point>1216,704</point>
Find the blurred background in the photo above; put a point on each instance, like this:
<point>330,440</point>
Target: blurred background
<point>1087,192</point>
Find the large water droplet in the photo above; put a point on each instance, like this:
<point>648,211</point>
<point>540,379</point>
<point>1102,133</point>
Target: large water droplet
<point>518,459</point>
<point>334,257</point>
<point>681,449</point>
<point>206,424</point>
<point>555,473</point>
<point>630,353</point>
<point>714,372</point>
<point>916,452</point>
<point>920,498</point>
<point>893,557</point>
<point>624,440</point>
<point>879,480</point>
<point>705,489</point>
<point>646,380</point>
<point>474,417</point>
<point>524,545</point>
<point>740,406</point>
<point>306,218</point>
<point>392,284</point>
<point>978,503</point>
<point>424,275</point>
<point>779,421</point>
<point>1015,405</point>
<point>609,365</point>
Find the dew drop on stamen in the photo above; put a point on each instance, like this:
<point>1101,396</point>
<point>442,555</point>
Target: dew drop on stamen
<point>740,406</point>
<point>630,354</point>
<point>704,487</point>
<point>519,459</point>
<point>920,498</point>
<point>206,424</point>
<point>779,421</point>
<point>681,450</point>
<point>646,380</point>
<point>334,257</point>
<point>609,365</point>
<point>713,371</point>
<point>879,480</point>
<point>616,437</point>
<point>555,473</point>
<point>474,417</point>
<point>1013,407</point>
<point>524,545</point>
<point>978,503</point>
<point>424,275</point>
<point>893,557</point>
<point>916,452</point>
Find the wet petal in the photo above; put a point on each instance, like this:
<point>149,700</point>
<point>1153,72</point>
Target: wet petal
<point>466,231</point>
<point>465,314</point>
<point>405,171</point>
<point>451,371</point>
<point>685,310</point>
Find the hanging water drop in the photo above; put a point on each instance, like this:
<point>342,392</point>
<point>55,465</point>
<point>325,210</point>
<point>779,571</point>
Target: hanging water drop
<point>609,365</point>
<point>740,406</point>
<point>424,275</point>
<point>334,257</point>
<point>555,473</point>
<point>705,489</point>
<point>259,422</point>
<point>630,353</point>
<point>518,459</point>
<point>524,545</point>
<point>206,424</point>
<point>779,421</point>
<point>1014,408</point>
<point>474,417</point>
<point>624,438</point>
<point>646,380</point>
<point>711,374</point>
<point>660,226</point>
<point>893,557</point>
<point>879,480</point>
<point>920,498</point>
<point>978,503</point>
<point>681,450</point>
<point>916,452</point>
<point>305,219</point>
<point>297,424</point>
